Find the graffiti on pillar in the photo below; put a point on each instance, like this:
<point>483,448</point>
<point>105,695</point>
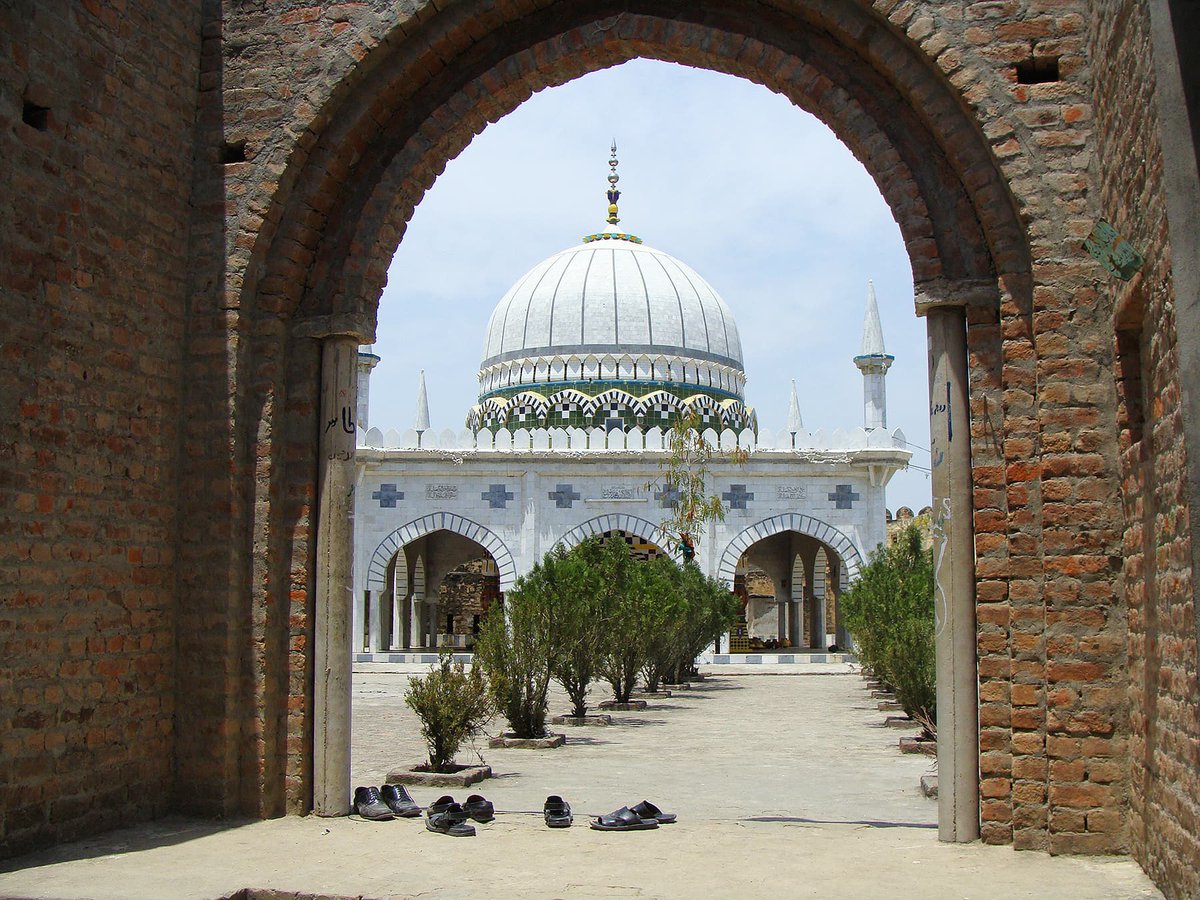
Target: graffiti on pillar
<point>941,603</point>
<point>936,454</point>
<point>347,419</point>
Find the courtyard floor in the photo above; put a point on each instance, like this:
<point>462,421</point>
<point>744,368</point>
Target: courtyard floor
<point>786,785</point>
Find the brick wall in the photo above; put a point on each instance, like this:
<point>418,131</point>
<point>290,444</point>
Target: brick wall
<point>305,133</point>
<point>96,112</point>
<point>1164,748</point>
<point>996,194</point>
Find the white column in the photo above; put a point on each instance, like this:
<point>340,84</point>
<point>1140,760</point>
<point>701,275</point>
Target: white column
<point>954,570</point>
<point>358,640</point>
<point>416,628</point>
<point>334,578</point>
<point>376,599</point>
<point>397,619</point>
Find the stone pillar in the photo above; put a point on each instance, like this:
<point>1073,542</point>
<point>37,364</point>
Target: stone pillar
<point>397,624</point>
<point>334,577</point>
<point>432,624</point>
<point>416,627</point>
<point>376,604</point>
<point>954,569</point>
<point>358,633</point>
<point>841,635</point>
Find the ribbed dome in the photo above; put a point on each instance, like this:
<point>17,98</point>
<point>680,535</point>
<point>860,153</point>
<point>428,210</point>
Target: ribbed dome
<point>612,296</point>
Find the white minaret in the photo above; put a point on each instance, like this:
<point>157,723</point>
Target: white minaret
<point>421,423</point>
<point>367,360</point>
<point>794,423</point>
<point>873,361</point>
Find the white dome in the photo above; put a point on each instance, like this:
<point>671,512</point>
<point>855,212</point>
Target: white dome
<point>612,296</point>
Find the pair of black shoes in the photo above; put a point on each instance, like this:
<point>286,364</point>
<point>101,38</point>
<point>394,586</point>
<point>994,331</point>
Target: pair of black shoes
<point>387,803</point>
<point>445,816</point>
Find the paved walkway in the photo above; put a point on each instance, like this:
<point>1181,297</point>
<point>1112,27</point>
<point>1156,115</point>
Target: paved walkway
<point>785,786</point>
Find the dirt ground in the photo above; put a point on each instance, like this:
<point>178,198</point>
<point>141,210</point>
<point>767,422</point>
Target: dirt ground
<point>785,784</point>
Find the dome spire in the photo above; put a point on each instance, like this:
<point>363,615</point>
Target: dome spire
<point>872,340</point>
<point>794,423</point>
<point>613,194</point>
<point>421,423</point>
<point>611,232</point>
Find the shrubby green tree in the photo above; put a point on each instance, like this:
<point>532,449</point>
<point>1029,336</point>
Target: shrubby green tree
<point>580,624</point>
<point>626,596</point>
<point>889,610</point>
<point>707,609</point>
<point>453,706</point>
<point>514,649</point>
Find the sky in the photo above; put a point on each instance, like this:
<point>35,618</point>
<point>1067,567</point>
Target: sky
<point>752,192</point>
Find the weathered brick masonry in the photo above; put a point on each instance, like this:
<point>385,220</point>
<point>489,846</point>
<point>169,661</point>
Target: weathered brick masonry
<point>1164,743</point>
<point>304,134</point>
<point>96,113</point>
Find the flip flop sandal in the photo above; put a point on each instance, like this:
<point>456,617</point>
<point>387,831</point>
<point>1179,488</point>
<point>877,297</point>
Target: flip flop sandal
<point>441,804</point>
<point>648,810</point>
<point>557,812</point>
<point>451,821</point>
<point>480,808</point>
<point>623,819</point>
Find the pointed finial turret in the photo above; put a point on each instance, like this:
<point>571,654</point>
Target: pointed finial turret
<point>874,362</point>
<point>611,232</point>
<point>421,424</point>
<point>872,339</point>
<point>613,194</point>
<point>794,423</point>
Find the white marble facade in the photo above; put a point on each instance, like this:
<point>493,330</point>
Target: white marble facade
<point>517,504</point>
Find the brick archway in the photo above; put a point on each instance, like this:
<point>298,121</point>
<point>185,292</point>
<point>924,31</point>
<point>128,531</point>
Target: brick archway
<point>807,525</point>
<point>940,138</point>
<point>406,534</point>
<point>338,209</point>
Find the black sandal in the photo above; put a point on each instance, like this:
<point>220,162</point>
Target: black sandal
<point>452,821</point>
<point>557,812</point>
<point>648,810</point>
<point>623,819</point>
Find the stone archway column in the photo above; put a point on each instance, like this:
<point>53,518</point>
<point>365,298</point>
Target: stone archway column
<point>397,616</point>
<point>417,627</point>
<point>376,618</point>
<point>334,576</point>
<point>954,573</point>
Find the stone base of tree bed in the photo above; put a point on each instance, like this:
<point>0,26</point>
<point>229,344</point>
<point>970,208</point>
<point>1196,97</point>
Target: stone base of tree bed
<point>419,774</point>
<point>898,722</point>
<point>918,745</point>
<point>888,706</point>
<point>623,707</point>
<point>651,695</point>
<point>581,720</point>
<point>511,742</point>
<point>929,786</point>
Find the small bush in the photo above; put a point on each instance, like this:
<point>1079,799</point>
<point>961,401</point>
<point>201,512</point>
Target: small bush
<point>514,650</point>
<point>889,610</point>
<point>453,706</point>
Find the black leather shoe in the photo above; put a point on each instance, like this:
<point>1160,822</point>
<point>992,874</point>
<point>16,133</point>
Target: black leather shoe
<point>398,801</point>
<point>369,805</point>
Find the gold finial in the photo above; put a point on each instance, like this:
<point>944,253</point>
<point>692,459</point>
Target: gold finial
<point>613,194</point>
